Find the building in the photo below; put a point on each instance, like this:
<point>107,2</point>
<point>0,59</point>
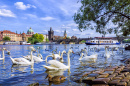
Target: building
<point>50,34</point>
<point>16,37</point>
<point>73,37</point>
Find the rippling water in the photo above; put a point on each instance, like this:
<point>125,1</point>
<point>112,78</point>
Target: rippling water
<point>14,75</point>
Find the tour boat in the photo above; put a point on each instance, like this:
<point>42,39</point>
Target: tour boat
<point>102,41</point>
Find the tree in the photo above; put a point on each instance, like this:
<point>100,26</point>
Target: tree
<point>36,38</point>
<point>41,37</point>
<point>97,14</point>
<point>6,38</point>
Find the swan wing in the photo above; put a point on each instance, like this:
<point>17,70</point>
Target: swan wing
<point>51,67</point>
<point>57,56</point>
<point>57,64</point>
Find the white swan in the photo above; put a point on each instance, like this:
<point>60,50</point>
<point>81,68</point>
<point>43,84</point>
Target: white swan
<point>88,58</point>
<point>3,54</point>
<point>56,65</point>
<point>107,55</point>
<point>91,58</point>
<point>37,58</point>
<point>22,61</point>
<point>56,56</point>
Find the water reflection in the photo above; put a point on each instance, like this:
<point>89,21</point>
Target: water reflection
<point>26,75</point>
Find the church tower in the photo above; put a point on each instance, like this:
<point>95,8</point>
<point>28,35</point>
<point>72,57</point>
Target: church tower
<point>65,34</point>
<point>51,34</point>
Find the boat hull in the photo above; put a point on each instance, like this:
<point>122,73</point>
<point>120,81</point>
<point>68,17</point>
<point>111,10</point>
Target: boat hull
<point>102,43</point>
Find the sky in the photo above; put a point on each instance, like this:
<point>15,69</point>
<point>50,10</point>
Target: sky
<point>40,15</point>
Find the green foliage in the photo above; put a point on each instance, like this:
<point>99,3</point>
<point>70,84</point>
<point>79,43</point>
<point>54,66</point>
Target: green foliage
<point>36,38</point>
<point>97,14</point>
<point>83,41</point>
<point>47,40</point>
<point>6,38</point>
<point>126,40</point>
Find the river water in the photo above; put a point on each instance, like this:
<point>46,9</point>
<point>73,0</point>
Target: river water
<point>14,75</point>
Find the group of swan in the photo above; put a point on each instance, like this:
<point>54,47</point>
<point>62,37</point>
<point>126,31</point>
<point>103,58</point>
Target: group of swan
<point>56,56</point>
<point>91,58</point>
<point>23,61</point>
<point>56,65</point>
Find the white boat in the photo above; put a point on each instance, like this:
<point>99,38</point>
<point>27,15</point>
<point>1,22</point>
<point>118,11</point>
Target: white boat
<point>102,41</point>
<point>12,43</point>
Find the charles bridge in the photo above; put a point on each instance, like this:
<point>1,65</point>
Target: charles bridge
<point>78,41</point>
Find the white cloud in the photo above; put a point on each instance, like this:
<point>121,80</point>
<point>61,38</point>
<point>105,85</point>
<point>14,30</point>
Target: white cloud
<point>21,6</point>
<point>75,29</point>
<point>65,27</point>
<point>47,18</point>
<point>72,25</point>
<point>3,6</point>
<point>58,31</point>
<point>31,15</point>
<point>6,13</point>
<point>44,30</point>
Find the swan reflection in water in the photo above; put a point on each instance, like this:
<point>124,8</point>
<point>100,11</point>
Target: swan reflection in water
<point>55,77</point>
<point>22,69</point>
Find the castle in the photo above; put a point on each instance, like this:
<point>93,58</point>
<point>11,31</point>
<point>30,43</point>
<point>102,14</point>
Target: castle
<point>16,37</point>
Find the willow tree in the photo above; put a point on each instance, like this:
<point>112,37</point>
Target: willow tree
<point>98,14</point>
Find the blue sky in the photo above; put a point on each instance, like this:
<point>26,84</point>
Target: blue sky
<point>40,15</point>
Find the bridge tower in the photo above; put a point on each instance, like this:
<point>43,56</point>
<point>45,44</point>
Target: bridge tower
<point>51,34</point>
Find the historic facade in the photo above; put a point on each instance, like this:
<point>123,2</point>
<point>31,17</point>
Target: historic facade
<point>50,34</point>
<point>16,37</point>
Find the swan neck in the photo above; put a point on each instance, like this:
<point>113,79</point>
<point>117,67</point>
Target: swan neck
<point>86,52</point>
<point>59,53</point>
<point>81,56</point>
<point>62,54</point>
<point>3,55</point>
<point>32,61</point>
<point>37,53</point>
<point>68,56</point>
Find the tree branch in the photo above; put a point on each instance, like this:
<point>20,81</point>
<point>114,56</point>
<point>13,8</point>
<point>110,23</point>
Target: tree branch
<point>122,14</point>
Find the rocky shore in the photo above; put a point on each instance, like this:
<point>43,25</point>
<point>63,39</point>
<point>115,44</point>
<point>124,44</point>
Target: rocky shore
<point>110,76</point>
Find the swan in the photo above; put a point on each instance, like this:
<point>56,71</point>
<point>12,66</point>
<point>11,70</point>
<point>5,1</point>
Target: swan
<point>3,54</point>
<point>56,56</point>
<point>107,55</point>
<point>37,58</point>
<point>91,58</point>
<point>56,65</point>
<point>22,61</point>
<point>94,56</point>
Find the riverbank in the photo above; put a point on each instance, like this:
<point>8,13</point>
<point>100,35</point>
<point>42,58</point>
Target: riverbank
<point>110,76</point>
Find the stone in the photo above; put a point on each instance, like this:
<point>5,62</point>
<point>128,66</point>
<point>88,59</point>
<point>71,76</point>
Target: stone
<point>125,73</point>
<point>77,79</point>
<point>103,76</point>
<point>101,81</point>
<point>109,72</point>
<point>122,84</point>
<point>119,78</point>
<point>121,75</point>
<point>93,75</point>
<point>115,67</point>
<point>100,85</point>
<point>99,72</point>
<point>128,76</point>
<point>114,82</point>
<point>125,80</point>
<point>86,74</point>
<point>117,71</point>
<point>109,69</point>
<point>88,80</point>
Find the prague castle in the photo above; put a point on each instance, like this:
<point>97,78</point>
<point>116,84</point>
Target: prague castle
<point>16,37</point>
